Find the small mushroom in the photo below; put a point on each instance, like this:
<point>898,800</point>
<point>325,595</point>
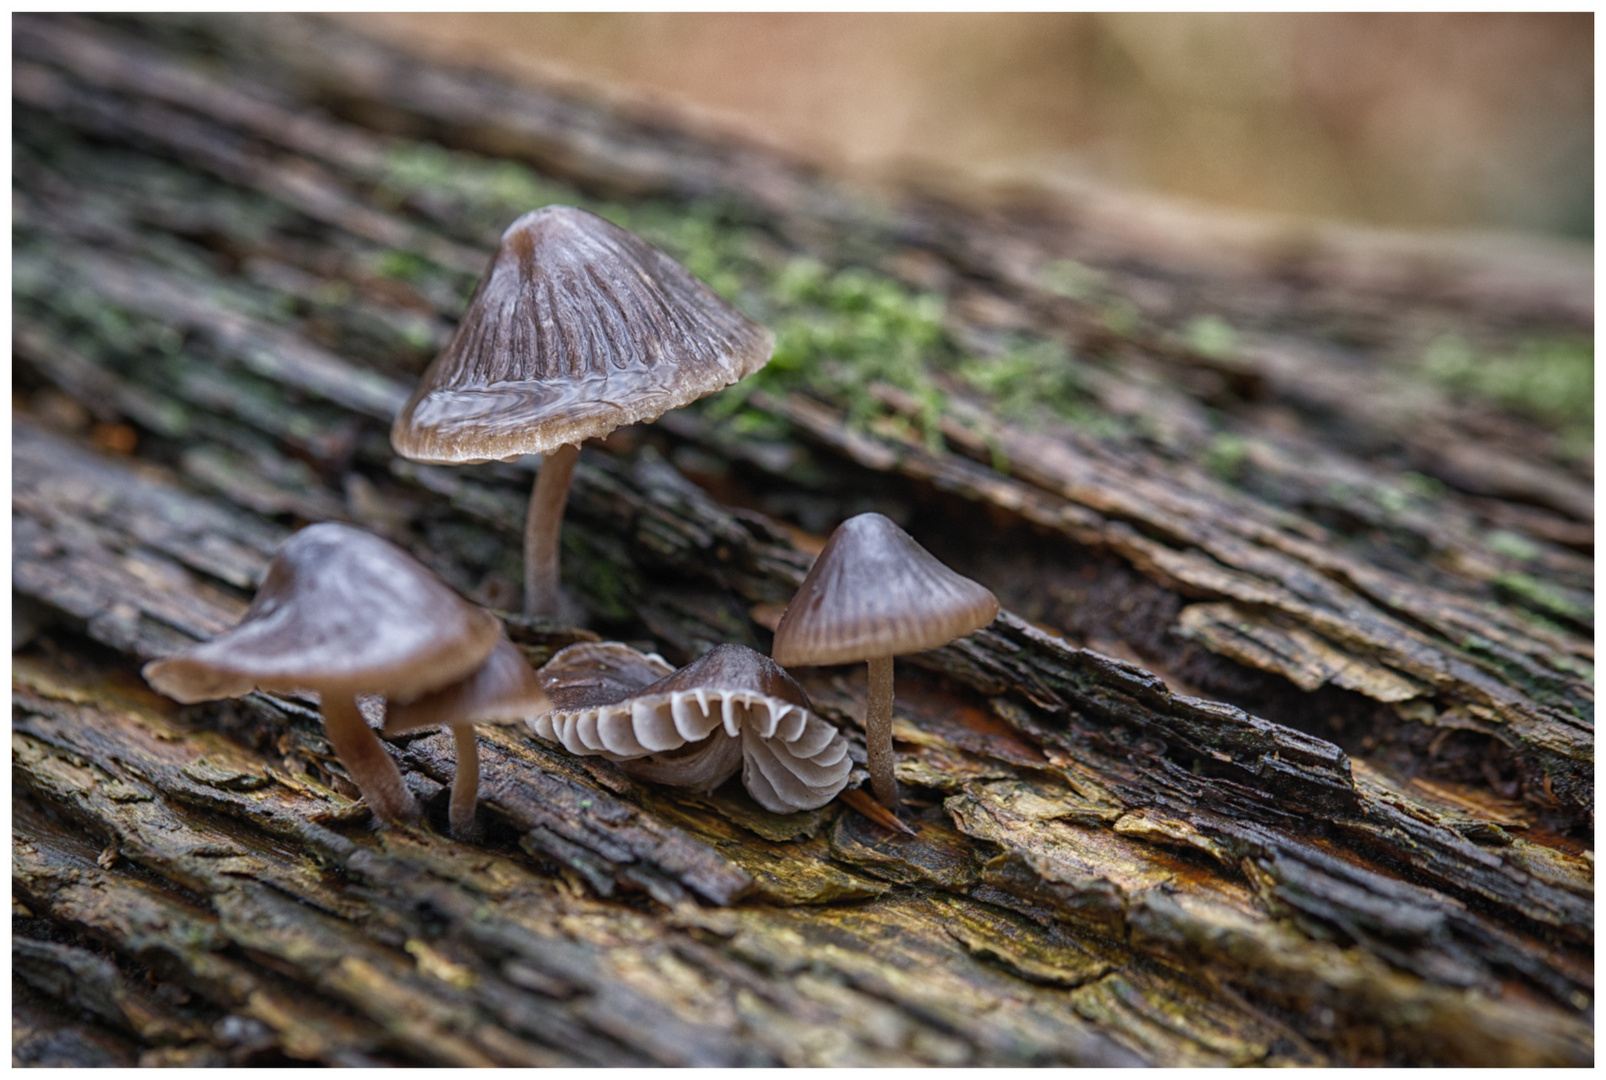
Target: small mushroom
<point>578,327</point>
<point>503,689</point>
<point>873,594</point>
<point>694,727</point>
<point>341,613</point>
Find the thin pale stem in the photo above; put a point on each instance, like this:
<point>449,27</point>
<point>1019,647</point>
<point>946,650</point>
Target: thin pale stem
<point>878,733</point>
<point>542,528</point>
<point>368,764</point>
<point>465,782</point>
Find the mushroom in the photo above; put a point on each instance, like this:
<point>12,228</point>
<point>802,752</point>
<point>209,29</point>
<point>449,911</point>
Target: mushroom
<point>873,594</point>
<point>503,689</point>
<point>578,327</point>
<point>693,727</point>
<point>342,612</point>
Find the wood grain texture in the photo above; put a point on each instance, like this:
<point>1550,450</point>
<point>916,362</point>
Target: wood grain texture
<point>1280,764</point>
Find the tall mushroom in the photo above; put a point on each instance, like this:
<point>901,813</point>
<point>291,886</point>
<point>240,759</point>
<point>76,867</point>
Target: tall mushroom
<point>873,594</point>
<point>732,708</point>
<point>577,327</point>
<point>342,612</point>
<point>504,689</point>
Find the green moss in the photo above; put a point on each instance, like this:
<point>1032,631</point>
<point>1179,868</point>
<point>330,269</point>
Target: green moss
<point>1034,379</point>
<point>1543,595</point>
<point>1544,687</point>
<point>414,167</point>
<point>838,332</point>
<point>1581,668</point>
<point>1226,456</point>
<point>1024,379</point>
<point>1211,336</point>
<point>1551,380</point>
<point>417,166</point>
<point>426,167</point>
<point>1512,545</point>
<point>1073,280</point>
<point>753,424</point>
<point>485,194</point>
<point>1122,317</point>
<point>401,266</point>
<point>997,456</point>
<point>700,237</point>
<point>416,332</point>
<point>1422,487</point>
<point>333,294</point>
<point>1531,618</point>
<point>1576,442</point>
<point>1393,501</point>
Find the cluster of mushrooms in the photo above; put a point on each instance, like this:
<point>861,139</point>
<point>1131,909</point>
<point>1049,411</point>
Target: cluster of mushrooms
<point>578,327</point>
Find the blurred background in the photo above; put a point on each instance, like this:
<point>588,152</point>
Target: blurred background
<point>1437,120</point>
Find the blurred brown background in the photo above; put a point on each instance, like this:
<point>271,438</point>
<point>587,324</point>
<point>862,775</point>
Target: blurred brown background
<point>1480,121</point>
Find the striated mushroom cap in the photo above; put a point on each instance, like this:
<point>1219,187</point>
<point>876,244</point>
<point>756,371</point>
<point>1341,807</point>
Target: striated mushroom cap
<point>598,673</point>
<point>504,689</point>
<point>875,592</point>
<point>577,327</point>
<point>340,612</point>
<point>693,727</point>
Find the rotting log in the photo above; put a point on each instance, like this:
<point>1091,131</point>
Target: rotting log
<point>1282,752</point>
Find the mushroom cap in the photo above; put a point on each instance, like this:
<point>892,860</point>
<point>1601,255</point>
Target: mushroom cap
<point>504,688</point>
<point>692,728</point>
<point>734,667</point>
<point>598,673</point>
<point>340,612</point>
<point>875,592</point>
<point>577,327</point>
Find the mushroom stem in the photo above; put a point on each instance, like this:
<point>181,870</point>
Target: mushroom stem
<point>465,782</point>
<point>365,759</point>
<point>542,594</point>
<point>878,733</point>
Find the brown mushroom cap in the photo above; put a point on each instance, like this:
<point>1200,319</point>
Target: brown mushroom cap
<point>734,667</point>
<point>504,688</point>
<point>340,612</point>
<point>577,327</point>
<point>598,673</point>
<point>692,728</point>
<point>874,592</point>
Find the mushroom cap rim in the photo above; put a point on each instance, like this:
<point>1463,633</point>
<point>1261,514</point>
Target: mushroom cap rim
<point>874,592</point>
<point>283,642</point>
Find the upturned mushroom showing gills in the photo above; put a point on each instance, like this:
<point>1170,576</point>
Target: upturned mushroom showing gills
<point>578,327</point>
<point>733,708</point>
<point>873,594</point>
<point>342,612</point>
<point>504,689</point>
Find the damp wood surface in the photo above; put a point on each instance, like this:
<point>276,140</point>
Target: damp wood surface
<point>1281,752</point>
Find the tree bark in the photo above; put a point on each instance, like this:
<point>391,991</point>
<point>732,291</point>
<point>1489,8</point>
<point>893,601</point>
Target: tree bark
<point>1281,752</point>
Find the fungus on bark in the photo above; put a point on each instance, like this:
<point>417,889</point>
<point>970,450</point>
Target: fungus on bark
<point>733,708</point>
<point>341,613</point>
<point>578,327</point>
<point>503,689</point>
<point>873,594</point>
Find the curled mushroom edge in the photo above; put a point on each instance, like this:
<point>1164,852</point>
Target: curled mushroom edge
<point>697,737</point>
